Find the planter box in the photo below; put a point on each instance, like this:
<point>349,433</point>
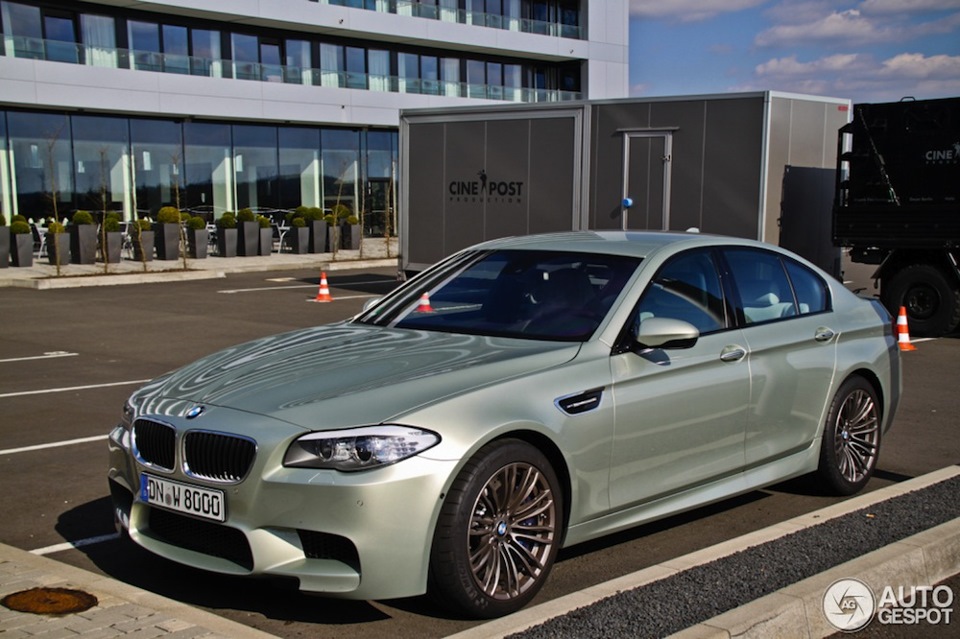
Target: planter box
<point>197,240</point>
<point>111,252</point>
<point>318,236</point>
<point>146,240</point>
<point>167,240</point>
<point>4,246</point>
<point>299,241</point>
<point>350,236</point>
<point>61,240</point>
<point>266,240</point>
<point>83,243</point>
<point>227,242</point>
<point>248,238</point>
<point>21,249</point>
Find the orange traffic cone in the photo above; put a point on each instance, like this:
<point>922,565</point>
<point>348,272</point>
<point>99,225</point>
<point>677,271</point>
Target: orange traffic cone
<point>323,293</point>
<point>424,306</point>
<point>903,332</point>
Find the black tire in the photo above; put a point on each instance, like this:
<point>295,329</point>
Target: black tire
<point>851,438</point>
<point>932,299</point>
<point>498,532</point>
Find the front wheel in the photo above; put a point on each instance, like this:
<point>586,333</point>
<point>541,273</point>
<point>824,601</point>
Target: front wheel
<point>851,438</point>
<point>498,533</point>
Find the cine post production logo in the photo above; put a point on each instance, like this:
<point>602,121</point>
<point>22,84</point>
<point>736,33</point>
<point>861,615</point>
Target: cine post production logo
<point>484,189</point>
<point>849,605</point>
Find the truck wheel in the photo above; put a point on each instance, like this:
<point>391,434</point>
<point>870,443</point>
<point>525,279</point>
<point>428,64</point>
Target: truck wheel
<point>931,298</point>
<point>498,533</point>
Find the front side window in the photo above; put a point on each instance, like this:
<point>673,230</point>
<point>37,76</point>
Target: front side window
<point>686,288</point>
<point>543,295</point>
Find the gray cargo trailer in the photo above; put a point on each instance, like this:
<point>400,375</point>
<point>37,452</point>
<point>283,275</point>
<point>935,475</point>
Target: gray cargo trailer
<point>720,163</point>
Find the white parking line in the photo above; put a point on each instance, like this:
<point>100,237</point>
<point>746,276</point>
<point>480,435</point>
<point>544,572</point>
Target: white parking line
<point>68,442</point>
<point>75,544</point>
<point>67,389</point>
<point>49,355</point>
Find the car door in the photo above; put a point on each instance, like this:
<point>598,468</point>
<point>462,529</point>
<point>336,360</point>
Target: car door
<point>784,309</point>
<point>680,413</point>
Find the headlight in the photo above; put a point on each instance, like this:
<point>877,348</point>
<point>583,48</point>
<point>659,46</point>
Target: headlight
<point>359,448</point>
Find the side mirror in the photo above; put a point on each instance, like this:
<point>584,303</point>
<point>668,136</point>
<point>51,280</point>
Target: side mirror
<point>664,332</point>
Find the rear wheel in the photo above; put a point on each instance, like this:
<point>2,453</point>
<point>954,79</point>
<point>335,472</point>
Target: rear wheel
<point>498,533</point>
<point>931,298</point>
<point>851,438</point>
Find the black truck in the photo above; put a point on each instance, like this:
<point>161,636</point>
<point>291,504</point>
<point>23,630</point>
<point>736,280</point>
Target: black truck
<point>896,205</point>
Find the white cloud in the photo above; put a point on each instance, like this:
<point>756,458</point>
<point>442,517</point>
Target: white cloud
<point>861,77</point>
<point>847,26</point>
<point>813,22</point>
<point>790,66</point>
<point>688,10</point>
<point>919,66</point>
<point>901,7</point>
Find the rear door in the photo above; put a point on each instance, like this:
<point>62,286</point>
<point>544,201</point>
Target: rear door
<point>784,309</point>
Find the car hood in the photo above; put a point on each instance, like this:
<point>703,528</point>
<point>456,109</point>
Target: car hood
<point>348,374</point>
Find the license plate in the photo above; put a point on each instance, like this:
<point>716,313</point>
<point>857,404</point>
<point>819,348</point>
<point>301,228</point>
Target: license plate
<point>183,498</point>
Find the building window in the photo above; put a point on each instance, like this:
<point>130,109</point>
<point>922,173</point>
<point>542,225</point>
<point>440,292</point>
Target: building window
<point>255,165</point>
<point>101,163</point>
<point>99,40</point>
<point>206,53</point>
<point>22,30</point>
<point>157,164</point>
<point>61,38</point>
<point>40,149</point>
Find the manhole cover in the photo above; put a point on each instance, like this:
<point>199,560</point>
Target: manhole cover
<point>50,601</point>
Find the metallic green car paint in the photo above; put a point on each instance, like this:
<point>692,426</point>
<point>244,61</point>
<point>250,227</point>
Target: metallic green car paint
<point>675,428</point>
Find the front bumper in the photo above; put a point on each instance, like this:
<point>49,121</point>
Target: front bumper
<point>361,535</point>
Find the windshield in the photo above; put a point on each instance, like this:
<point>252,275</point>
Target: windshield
<point>551,295</point>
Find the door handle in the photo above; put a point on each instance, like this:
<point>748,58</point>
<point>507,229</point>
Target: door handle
<point>823,334</point>
<point>732,353</point>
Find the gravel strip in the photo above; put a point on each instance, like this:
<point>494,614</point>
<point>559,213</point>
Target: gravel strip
<point>675,603</point>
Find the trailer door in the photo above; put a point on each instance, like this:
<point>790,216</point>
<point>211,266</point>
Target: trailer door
<point>646,179</point>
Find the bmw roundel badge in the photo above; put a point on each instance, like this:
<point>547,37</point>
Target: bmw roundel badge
<point>195,412</point>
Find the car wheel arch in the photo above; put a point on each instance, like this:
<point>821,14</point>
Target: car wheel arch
<point>542,442</point>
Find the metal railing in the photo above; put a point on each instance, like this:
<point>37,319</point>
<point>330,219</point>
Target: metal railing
<point>70,52</point>
<point>462,16</point>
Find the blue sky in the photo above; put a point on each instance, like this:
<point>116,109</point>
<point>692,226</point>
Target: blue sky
<point>864,50</point>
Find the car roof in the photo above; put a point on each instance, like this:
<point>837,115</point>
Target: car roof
<point>632,243</point>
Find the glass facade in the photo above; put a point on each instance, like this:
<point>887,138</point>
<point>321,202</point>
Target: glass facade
<point>55,164</point>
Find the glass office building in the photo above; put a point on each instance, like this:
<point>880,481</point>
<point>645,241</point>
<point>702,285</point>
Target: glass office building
<point>296,102</point>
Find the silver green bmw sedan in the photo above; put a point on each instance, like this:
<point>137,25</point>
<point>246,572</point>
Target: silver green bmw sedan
<point>523,395</point>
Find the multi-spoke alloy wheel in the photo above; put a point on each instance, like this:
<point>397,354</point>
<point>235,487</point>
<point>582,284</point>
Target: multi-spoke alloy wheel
<point>851,438</point>
<point>498,532</point>
<point>512,531</point>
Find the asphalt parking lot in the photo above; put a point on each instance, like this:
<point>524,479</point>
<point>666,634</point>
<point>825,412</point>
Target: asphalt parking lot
<point>71,356</point>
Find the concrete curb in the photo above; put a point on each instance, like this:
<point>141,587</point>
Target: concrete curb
<point>792,610</point>
<point>797,610</point>
<point>149,611</point>
<point>217,268</point>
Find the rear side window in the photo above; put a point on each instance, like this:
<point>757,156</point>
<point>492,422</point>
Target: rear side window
<point>810,289</point>
<point>773,287</point>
